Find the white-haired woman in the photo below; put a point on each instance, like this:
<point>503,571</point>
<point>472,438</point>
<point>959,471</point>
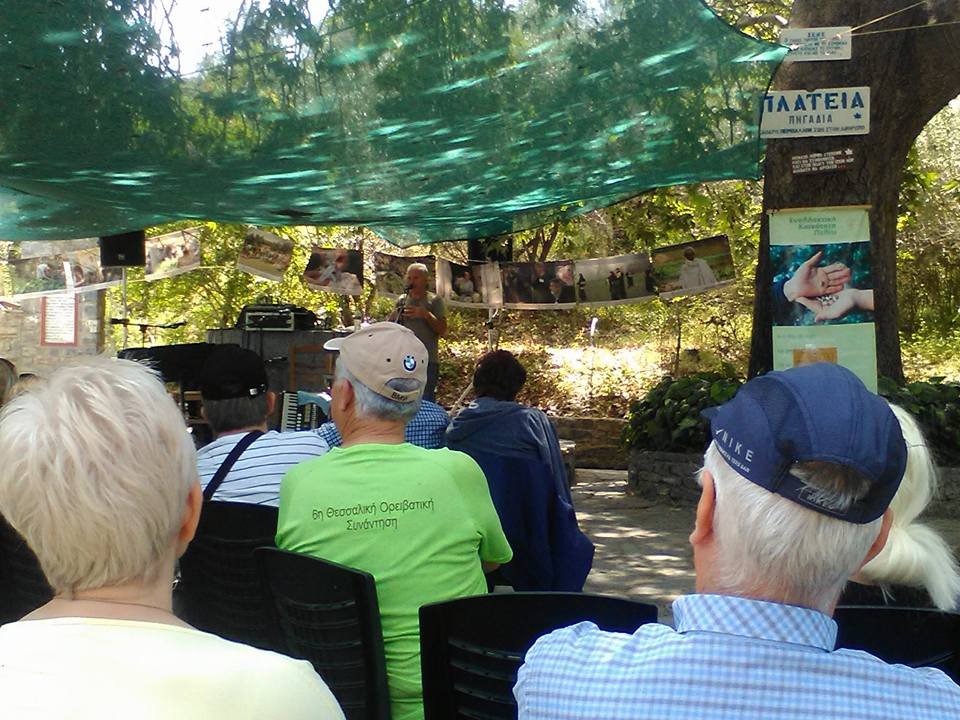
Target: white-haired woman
<point>99,475</point>
<point>917,567</point>
<point>8,378</point>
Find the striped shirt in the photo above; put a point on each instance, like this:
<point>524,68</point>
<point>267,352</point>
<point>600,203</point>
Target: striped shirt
<point>729,659</point>
<point>255,477</point>
<point>427,429</point>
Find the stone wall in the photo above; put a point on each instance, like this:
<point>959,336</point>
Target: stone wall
<point>20,335</point>
<point>670,478</point>
<point>597,439</point>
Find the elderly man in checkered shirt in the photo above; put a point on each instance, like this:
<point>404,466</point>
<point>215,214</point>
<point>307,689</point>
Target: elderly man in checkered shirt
<point>796,488</point>
<point>427,429</point>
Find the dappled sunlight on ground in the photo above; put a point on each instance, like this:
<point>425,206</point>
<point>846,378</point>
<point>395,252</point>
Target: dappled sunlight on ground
<point>642,550</point>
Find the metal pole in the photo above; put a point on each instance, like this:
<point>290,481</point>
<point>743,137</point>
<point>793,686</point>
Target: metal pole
<point>123,287</point>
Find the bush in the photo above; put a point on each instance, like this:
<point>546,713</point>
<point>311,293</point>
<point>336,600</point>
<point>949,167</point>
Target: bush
<point>668,417</point>
<point>936,406</point>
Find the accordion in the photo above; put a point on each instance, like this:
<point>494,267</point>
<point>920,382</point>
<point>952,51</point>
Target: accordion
<point>303,410</point>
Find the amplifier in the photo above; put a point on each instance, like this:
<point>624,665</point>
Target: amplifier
<point>275,317</point>
<point>268,320</point>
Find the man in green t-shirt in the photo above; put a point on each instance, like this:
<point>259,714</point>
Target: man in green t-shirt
<point>420,521</point>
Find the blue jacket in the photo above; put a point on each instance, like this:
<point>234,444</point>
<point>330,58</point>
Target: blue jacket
<point>508,428</point>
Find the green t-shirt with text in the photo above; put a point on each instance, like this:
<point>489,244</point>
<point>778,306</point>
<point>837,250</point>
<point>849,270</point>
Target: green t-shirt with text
<point>420,521</point>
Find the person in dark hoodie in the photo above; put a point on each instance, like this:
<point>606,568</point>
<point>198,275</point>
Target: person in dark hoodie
<point>496,423</point>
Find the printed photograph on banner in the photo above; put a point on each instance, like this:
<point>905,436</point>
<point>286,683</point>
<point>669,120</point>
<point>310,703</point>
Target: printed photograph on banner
<point>172,254</point>
<point>336,270</point>
<point>36,276</point>
<point>466,285</point>
<point>538,285</point>
<point>88,275</point>
<point>39,248</point>
<point>614,280</point>
<point>390,272</point>
<point>829,284</point>
<point>265,254</point>
<point>693,267</point>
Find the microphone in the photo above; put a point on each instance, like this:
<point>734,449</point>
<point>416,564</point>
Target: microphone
<point>408,288</point>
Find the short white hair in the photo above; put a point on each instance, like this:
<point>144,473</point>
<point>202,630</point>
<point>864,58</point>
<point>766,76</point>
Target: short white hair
<point>418,267</point>
<point>771,546</point>
<point>370,404</point>
<point>915,554</point>
<point>95,468</point>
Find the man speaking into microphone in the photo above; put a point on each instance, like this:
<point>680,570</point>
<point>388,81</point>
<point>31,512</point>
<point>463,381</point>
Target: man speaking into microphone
<point>425,314</point>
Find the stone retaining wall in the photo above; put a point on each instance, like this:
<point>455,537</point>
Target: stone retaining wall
<point>597,439</point>
<point>669,478</point>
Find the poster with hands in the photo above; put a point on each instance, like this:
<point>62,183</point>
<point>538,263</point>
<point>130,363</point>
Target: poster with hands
<point>822,289</point>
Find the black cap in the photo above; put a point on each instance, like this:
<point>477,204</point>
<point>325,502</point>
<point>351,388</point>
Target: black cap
<point>231,371</point>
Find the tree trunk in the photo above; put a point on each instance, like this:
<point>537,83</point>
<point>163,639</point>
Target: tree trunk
<point>912,75</point>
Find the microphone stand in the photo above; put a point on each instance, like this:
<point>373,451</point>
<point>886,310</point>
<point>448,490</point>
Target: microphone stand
<point>144,326</point>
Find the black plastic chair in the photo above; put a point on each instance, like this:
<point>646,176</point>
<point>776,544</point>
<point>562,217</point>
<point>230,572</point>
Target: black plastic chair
<point>220,590</point>
<point>918,637</point>
<point>23,586</point>
<point>471,649</point>
<point>329,615</point>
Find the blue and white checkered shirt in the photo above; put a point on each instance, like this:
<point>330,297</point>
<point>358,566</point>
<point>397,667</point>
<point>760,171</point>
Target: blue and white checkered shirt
<point>729,659</point>
<point>427,429</point>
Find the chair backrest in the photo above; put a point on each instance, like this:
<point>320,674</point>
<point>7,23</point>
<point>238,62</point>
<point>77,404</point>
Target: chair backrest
<point>311,368</point>
<point>549,550</point>
<point>23,587</point>
<point>918,637</point>
<point>329,615</point>
<point>220,590</point>
<point>471,649</point>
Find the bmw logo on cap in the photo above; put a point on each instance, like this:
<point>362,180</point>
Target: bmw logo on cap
<point>410,363</point>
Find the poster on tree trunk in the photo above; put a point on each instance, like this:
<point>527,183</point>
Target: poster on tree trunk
<point>822,290</point>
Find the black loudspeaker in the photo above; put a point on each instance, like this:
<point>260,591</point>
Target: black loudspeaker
<point>123,250</point>
<point>493,249</point>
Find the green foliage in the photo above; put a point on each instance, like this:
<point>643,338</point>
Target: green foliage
<point>668,418</point>
<point>936,406</point>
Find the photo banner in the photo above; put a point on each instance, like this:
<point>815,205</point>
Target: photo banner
<point>614,280</point>
<point>822,290</point>
<point>172,254</point>
<point>265,254</point>
<point>86,273</point>
<point>335,270</point>
<point>538,285</point>
<point>693,267</point>
<point>38,276</point>
<point>390,272</point>
<point>472,285</point>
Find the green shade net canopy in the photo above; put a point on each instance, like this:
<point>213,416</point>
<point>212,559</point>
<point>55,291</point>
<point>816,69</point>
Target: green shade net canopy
<point>425,120</point>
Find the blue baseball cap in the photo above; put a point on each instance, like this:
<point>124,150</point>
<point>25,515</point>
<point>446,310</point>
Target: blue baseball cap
<point>814,412</point>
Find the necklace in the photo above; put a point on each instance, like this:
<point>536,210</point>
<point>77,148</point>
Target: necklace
<point>145,606</point>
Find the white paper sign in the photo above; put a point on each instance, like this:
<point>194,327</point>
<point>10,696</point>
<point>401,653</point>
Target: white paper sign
<point>813,44</point>
<point>829,111</point>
